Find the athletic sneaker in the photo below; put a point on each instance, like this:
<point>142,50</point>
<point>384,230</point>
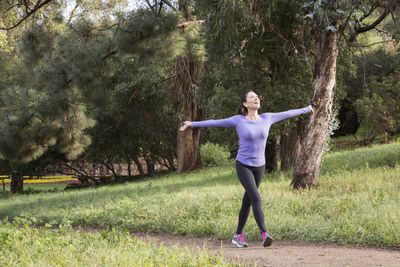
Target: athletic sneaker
<point>239,241</point>
<point>266,239</point>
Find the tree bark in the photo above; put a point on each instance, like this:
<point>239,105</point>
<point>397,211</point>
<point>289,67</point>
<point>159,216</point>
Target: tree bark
<point>150,166</point>
<point>17,182</point>
<point>270,154</point>
<point>188,153</point>
<point>188,150</point>
<point>128,161</point>
<point>170,160</point>
<point>312,146</point>
<point>138,165</point>
<point>289,149</point>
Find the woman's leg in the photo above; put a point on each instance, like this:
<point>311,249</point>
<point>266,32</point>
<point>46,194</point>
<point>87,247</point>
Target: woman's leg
<point>250,178</point>
<point>243,213</point>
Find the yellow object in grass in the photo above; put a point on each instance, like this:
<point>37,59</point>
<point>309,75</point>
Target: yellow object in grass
<point>42,179</point>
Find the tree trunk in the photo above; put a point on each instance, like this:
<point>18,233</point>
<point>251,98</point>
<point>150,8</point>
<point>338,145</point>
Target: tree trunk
<point>188,150</point>
<point>138,165</point>
<point>312,146</point>
<point>171,163</point>
<point>289,149</point>
<point>188,153</point>
<point>270,154</point>
<point>150,166</point>
<point>128,161</point>
<point>17,182</point>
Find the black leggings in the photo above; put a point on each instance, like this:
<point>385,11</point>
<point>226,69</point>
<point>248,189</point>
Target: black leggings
<point>250,177</point>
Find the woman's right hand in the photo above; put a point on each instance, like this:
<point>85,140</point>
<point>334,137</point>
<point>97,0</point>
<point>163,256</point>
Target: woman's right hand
<point>186,124</point>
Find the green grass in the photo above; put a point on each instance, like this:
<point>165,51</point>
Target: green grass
<point>33,188</point>
<point>357,202</point>
<point>362,158</point>
<point>24,245</point>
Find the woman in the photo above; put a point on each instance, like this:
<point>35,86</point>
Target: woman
<point>252,129</point>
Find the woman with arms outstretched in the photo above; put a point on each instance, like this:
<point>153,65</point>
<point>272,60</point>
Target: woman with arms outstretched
<point>252,129</point>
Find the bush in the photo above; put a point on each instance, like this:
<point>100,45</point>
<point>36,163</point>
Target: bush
<point>213,154</point>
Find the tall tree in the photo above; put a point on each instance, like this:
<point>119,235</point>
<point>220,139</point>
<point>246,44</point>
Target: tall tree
<point>186,72</point>
<point>328,18</point>
<point>74,67</point>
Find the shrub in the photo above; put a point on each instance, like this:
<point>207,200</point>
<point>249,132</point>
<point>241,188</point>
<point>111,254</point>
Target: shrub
<point>213,154</point>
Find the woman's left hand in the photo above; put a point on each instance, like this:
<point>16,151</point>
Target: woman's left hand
<point>186,124</point>
<point>312,109</point>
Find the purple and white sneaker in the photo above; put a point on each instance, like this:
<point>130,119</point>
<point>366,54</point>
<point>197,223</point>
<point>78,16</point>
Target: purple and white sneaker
<point>239,241</point>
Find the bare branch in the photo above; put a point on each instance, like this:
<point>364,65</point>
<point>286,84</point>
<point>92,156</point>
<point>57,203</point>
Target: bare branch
<point>373,8</point>
<point>368,45</point>
<point>150,6</point>
<point>374,24</point>
<point>168,3</point>
<point>11,7</point>
<point>383,31</point>
<point>38,5</point>
<point>72,13</point>
<point>109,54</point>
<point>345,23</point>
<point>27,8</point>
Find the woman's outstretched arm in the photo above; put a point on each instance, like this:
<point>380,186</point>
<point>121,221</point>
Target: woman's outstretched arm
<point>225,123</point>
<point>279,116</point>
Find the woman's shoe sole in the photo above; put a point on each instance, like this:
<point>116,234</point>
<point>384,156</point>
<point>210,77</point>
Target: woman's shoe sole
<point>268,241</point>
<point>238,245</point>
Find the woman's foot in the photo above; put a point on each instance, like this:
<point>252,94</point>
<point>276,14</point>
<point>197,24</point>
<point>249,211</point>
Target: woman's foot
<point>266,239</point>
<point>239,241</point>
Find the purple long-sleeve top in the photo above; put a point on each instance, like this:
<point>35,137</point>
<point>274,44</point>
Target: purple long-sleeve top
<point>252,134</point>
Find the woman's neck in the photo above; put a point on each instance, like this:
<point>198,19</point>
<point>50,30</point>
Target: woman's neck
<point>252,114</point>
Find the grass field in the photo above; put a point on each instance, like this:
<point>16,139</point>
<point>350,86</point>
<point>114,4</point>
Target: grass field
<point>357,202</point>
<point>24,245</point>
<point>37,188</point>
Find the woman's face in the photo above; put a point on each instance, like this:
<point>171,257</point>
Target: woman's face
<point>252,101</point>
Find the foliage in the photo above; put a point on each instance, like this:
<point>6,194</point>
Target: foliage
<point>258,46</point>
<point>356,203</point>
<point>372,90</point>
<point>213,155</point>
<point>379,108</point>
<point>82,70</point>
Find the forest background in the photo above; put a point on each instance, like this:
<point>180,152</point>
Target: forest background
<point>97,89</point>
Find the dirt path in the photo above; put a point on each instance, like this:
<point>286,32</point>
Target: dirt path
<point>285,253</point>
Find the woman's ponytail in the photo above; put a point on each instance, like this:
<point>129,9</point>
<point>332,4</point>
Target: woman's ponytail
<point>242,110</point>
